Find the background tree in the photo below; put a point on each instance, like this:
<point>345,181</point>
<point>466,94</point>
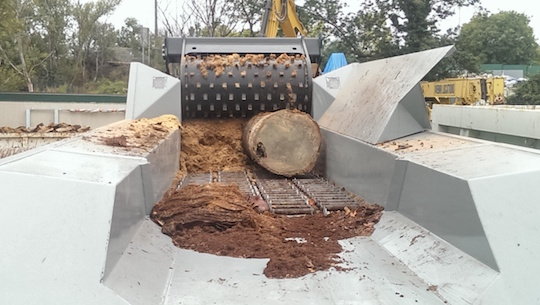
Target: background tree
<point>19,48</point>
<point>103,47</point>
<point>214,18</point>
<point>86,17</point>
<point>57,45</point>
<point>9,80</point>
<point>250,14</point>
<point>502,38</point>
<point>415,21</point>
<point>54,17</point>
<point>382,28</point>
<point>129,37</point>
<point>177,24</point>
<point>325,19</point>
<point>527,92</point>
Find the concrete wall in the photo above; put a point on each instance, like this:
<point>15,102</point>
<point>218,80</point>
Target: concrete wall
<point>516,125</point>
<point>14,114</point>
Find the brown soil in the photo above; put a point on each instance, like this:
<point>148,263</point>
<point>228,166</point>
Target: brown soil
<point>61,127</point>
<point>216,218</point>
<point>213,145</point>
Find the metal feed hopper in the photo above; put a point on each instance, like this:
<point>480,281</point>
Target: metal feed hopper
<point>460,223</point>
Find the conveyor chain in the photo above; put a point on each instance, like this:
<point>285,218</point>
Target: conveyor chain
<point>199,178</point>
<point>283,196</point>
<point>326,195</point>
<point>241,179</point>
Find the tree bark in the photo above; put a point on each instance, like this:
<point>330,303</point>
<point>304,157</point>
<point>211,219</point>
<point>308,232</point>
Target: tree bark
<point>285,142</point>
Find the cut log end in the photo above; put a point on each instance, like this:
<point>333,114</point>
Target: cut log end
<point>285,142</point>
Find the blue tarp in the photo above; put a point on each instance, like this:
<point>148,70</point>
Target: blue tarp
<point>336,60</point>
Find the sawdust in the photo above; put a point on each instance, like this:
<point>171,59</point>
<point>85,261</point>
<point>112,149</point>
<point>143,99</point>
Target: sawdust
<point>213,145</point>
<point>219,63</point>
<point>137,135</point>
<point>216,218</point>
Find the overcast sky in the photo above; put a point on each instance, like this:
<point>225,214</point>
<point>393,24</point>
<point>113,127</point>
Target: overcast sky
<point>143,10</point>
<point>531,8</point>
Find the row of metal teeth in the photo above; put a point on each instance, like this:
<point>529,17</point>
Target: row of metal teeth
<point>283,196</point>
<point>256,97</point>
<point>223,110</point>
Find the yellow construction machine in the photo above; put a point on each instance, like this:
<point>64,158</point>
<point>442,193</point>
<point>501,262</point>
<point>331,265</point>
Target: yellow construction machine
<point>282,14</point>
<point>465,91</point>
<point>239,77</point>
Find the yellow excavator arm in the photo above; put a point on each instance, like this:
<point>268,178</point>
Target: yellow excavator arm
<point>281,13</point>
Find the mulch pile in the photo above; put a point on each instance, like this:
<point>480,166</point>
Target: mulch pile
<point>216,218</point>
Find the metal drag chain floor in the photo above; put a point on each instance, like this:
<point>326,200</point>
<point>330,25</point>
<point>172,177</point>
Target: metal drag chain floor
<point>284,196</point>
<point>326,195</point>
<point>202,178</point>
<point>241,179</point>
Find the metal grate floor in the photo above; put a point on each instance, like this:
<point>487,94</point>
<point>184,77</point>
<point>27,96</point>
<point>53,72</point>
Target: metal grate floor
<point>303,195</point>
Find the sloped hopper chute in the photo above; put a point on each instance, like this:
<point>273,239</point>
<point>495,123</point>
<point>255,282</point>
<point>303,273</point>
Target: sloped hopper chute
<point>151,93</point>
<point>382,100</point>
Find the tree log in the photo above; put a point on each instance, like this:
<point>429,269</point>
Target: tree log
<point>285,142</point>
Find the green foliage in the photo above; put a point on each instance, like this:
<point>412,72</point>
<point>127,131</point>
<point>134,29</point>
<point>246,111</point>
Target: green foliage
<point>53,17</point>
<point>129,34</point>
<point>322,16</point>
<point>48,43</point>
<point>88,40</point>
<point>381,28</point>
<point>106,86</point>
<point>527,92</point>
<point>6,18</point>
<point>20,49</point>
<point>10,81</point>
<point>100,86</point>
<point>459,63</point>
<point>503,38</point>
